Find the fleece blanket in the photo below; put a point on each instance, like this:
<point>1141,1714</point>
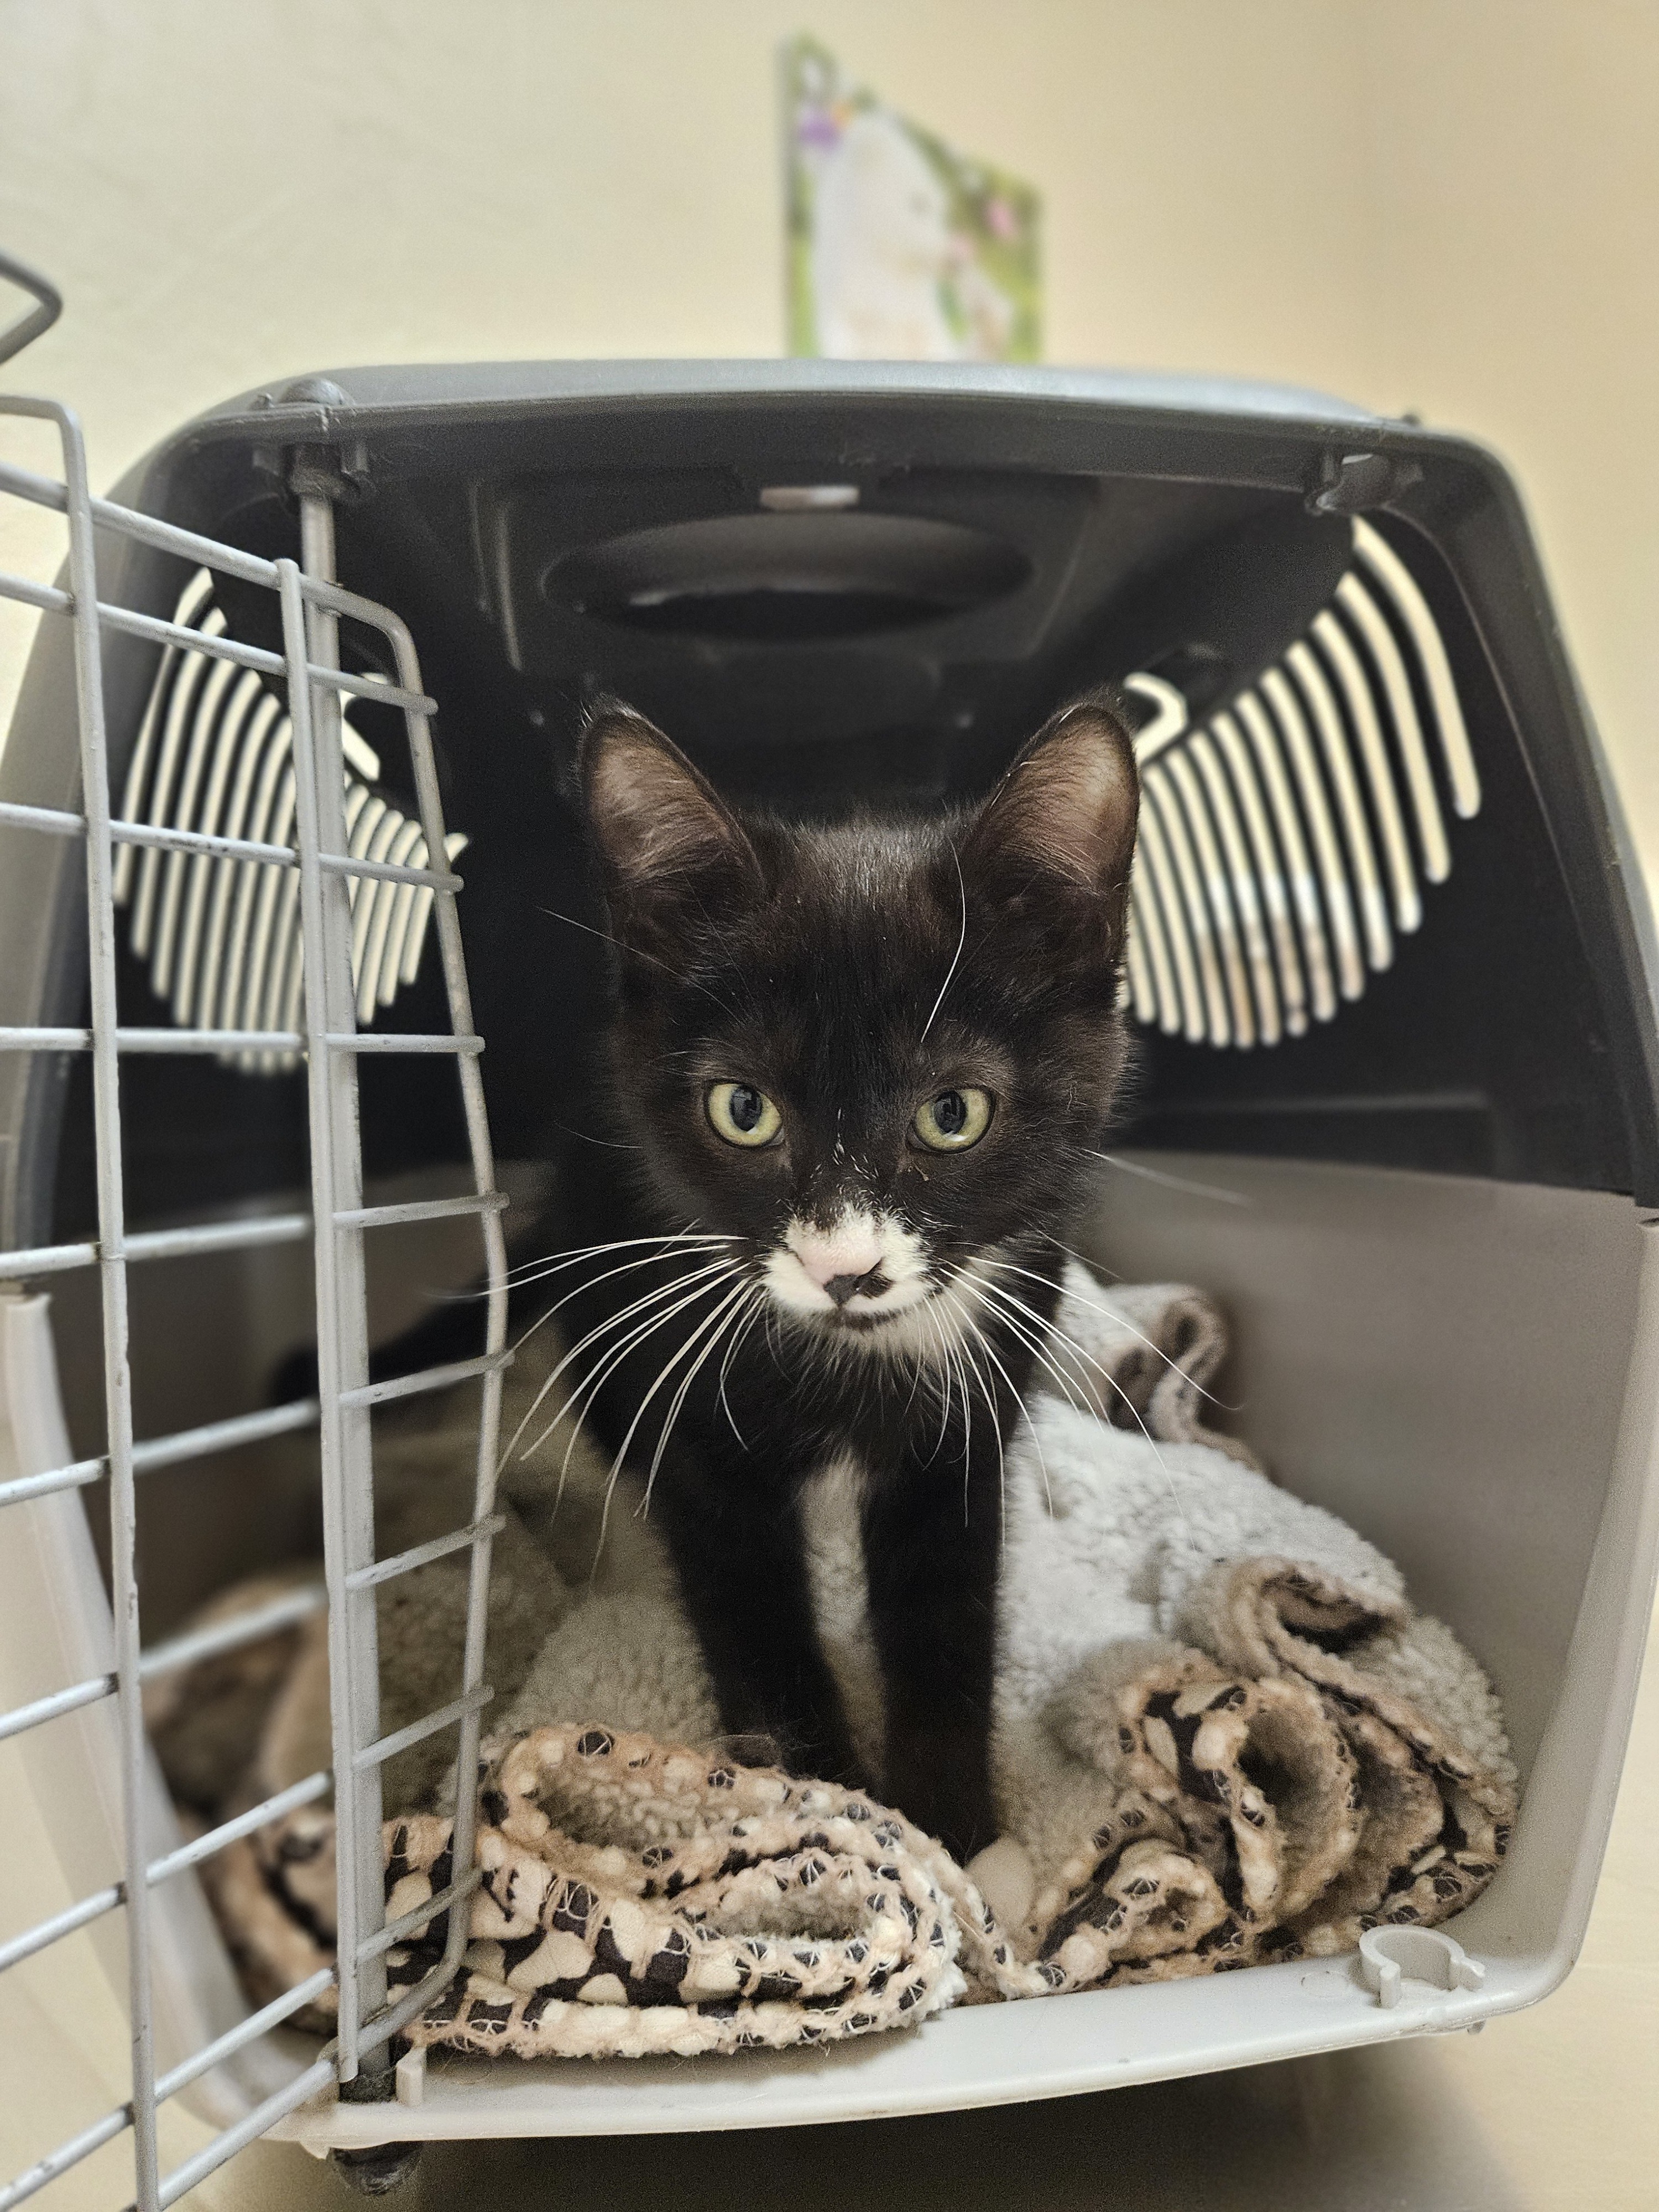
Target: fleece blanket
<point>1223,1736</point>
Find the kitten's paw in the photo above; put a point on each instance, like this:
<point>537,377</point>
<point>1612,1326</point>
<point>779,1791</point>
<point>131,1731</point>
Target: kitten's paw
<point>1005,1878</point>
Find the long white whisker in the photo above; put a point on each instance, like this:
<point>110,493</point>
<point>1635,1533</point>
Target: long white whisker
<point>1032,1344</point>
<point>590,1283</point>
<point>590,1337</point>
<point>1008,1307</point>
<point>916,1379</point>
<point>965,1381</point>
<point>944,1370</point>
<point>961,940</point>
<point>593,1383</point>
<point>1075,1350</point>
<point>1117,1319</point>
<point>680,1352</point>
<point>1023,1332</point>
<point>635,952</point>
<point>769,1329</point>
<point>727,1316</point>
<point>967,1326</point>
<point>1010,1304</point>
<point>1220,1404</point>
<point>756,1301</point>
<point>967,1420</point>
<point>557,1263</point>
<point>699,1277</point>
<point>646,1328</point>
<point>1174,1182</point>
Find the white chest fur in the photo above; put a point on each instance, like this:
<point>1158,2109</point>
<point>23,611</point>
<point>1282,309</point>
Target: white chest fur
<point>832,1538</point>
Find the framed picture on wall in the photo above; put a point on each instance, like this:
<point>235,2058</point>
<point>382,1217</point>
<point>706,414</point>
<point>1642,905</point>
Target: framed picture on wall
<point>899,247</point>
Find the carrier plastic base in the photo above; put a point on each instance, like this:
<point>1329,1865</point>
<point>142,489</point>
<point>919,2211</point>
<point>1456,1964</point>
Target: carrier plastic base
<point>984,2055</point>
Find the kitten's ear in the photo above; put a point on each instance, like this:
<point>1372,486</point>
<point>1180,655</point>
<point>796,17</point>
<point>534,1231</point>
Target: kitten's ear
<point>1064,814</point>
<point>667,842</point>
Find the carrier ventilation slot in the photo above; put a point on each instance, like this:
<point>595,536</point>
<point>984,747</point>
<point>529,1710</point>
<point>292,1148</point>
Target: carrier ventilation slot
<point>221,937</point>
<point>1284,841</point>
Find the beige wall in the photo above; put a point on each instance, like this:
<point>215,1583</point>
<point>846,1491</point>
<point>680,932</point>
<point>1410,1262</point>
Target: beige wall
<point>1445,204</point>
<point>1441,204</point>
<point>1513,197</point>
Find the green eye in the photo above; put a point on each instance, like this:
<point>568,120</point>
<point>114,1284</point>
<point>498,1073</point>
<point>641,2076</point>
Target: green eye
<point>742,1114</point>
<point>953,1120</point>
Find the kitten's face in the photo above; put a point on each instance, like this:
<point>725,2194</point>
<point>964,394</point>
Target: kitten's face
<point>875,1058</point>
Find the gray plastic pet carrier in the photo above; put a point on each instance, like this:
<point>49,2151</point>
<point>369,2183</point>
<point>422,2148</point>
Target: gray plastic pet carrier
<point>1390,961</point>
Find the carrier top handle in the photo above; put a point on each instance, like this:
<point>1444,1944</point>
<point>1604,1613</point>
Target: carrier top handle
<point>49,305</point>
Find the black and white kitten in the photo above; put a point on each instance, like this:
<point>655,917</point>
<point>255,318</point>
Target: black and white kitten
<point>856,1074</point>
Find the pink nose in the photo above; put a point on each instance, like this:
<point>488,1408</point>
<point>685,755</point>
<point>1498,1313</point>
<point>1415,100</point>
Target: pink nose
<point>828,1258</point>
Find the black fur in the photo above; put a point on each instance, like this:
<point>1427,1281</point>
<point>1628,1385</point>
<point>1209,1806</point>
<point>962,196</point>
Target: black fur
<point>811,964</point>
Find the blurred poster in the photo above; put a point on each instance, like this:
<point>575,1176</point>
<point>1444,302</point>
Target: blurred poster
<point>900,249</point>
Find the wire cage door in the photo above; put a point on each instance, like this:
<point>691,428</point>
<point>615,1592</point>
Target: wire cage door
<point>307,672</point>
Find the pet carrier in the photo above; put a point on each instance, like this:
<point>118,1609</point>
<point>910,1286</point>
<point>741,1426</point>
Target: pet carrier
<point>1390,962</point>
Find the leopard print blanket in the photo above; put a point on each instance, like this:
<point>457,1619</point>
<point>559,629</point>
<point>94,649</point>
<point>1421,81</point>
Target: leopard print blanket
<point>1270,1799</point>
<point>1223,1737</point>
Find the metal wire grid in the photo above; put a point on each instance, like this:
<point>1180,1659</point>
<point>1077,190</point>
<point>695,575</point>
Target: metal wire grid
<point>222,937</point>
<point>311,607</point>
